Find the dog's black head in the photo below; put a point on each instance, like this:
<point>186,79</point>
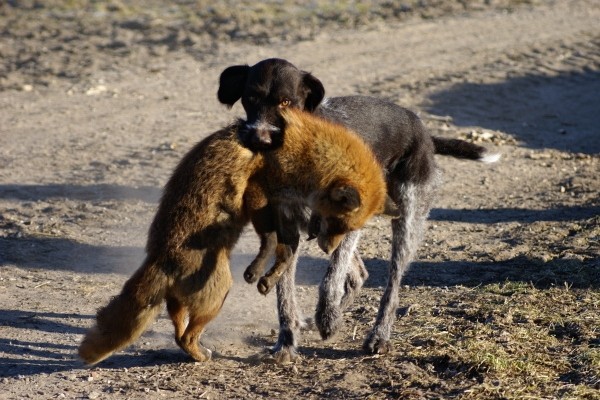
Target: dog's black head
<point>265,89</point>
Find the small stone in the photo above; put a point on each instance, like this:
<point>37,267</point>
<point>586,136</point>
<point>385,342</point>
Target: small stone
<point>96,90</point>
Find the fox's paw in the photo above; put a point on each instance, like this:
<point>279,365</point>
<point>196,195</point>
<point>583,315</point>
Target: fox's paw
<point>202,355</point>
<point>250,274</point>
<point>376,344</point>
<point>265,284</point>
<point>197,351</point>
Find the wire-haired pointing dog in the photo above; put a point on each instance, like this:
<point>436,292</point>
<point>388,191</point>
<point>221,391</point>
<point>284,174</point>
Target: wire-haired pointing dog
<point>405,152</point>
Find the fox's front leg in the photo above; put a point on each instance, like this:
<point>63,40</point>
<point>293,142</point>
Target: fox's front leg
<point>268,245</point>
<point>288,239</point>
<point>263,218</point>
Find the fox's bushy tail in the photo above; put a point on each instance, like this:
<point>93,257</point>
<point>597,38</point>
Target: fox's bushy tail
<point>462,149</point>
<point>127,315</point>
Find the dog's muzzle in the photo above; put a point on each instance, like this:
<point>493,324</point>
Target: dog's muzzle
<point>258,135</point>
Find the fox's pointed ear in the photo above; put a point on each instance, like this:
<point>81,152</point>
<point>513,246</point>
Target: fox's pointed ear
<point>314,91</point>
<point>231,84</point>
<point>345,197</point>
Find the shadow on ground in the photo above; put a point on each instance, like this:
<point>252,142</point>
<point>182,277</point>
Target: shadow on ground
<point>97,192</point>
<point>66,254</point>
<point>541,274</point>
<point>70,255</point>
<point>560,112</point>
<point>499,215</point>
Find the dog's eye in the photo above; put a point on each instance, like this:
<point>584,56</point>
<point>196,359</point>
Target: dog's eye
<point>285,103</point>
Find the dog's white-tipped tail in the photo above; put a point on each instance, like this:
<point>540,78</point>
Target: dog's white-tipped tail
<point>489,158</point>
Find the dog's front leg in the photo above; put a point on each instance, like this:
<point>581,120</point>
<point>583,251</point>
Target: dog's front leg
<point>344,278</point>
<point>290,322</point>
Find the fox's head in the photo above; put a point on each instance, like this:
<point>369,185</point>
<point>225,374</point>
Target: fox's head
<point>341,208</point>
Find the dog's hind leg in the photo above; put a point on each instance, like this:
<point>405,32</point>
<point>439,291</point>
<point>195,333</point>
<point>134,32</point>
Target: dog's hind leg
<point>414,202</point>
<point>344,277</point>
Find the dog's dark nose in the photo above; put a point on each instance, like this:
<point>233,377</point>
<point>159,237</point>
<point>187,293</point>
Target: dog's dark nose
<point>259,135</point>
<point>262,136</point>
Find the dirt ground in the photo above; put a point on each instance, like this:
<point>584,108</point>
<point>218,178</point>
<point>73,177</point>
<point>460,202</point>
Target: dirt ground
<point>99,101</point>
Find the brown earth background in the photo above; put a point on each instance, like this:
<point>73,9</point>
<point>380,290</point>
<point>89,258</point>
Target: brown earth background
<point>99,101</point>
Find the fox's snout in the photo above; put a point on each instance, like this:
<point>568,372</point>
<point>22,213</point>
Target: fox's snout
<point>329,243</point>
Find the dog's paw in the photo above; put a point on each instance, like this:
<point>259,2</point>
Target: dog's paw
<point>375,344</point>
<point>307,324</point>
<point>283,355</point>
<point>328,320</point>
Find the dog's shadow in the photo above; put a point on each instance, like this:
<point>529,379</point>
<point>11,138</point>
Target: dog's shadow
<point>542,111</point>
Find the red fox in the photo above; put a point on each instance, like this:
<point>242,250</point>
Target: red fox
<point>217,188</point>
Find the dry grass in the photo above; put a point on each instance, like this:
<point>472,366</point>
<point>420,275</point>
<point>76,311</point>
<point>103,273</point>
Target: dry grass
<point>509,340</point>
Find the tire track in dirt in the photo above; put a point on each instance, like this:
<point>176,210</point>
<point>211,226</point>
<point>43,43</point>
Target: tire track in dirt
<point>450,45</point>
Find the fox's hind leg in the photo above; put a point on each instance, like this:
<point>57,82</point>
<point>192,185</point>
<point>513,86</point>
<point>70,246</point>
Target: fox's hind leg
<point>203,294</point>
<point>200,316</point>
<point>189,341</point>
<point>178,314</point>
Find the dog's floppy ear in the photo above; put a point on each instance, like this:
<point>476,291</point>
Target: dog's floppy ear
<point>231,84</point>
<point>345,196</point>
<point>314,91</point>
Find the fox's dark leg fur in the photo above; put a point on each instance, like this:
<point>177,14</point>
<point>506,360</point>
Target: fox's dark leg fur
<point>262,218</point>
<point>268,245</point>
<point>357,276</point>
<point>288,239</point>
<point>284,255</point>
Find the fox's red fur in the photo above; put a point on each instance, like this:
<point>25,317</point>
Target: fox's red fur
<point>214,191</point>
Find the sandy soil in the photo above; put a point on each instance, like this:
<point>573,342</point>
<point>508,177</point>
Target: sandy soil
<point>93,120</point>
